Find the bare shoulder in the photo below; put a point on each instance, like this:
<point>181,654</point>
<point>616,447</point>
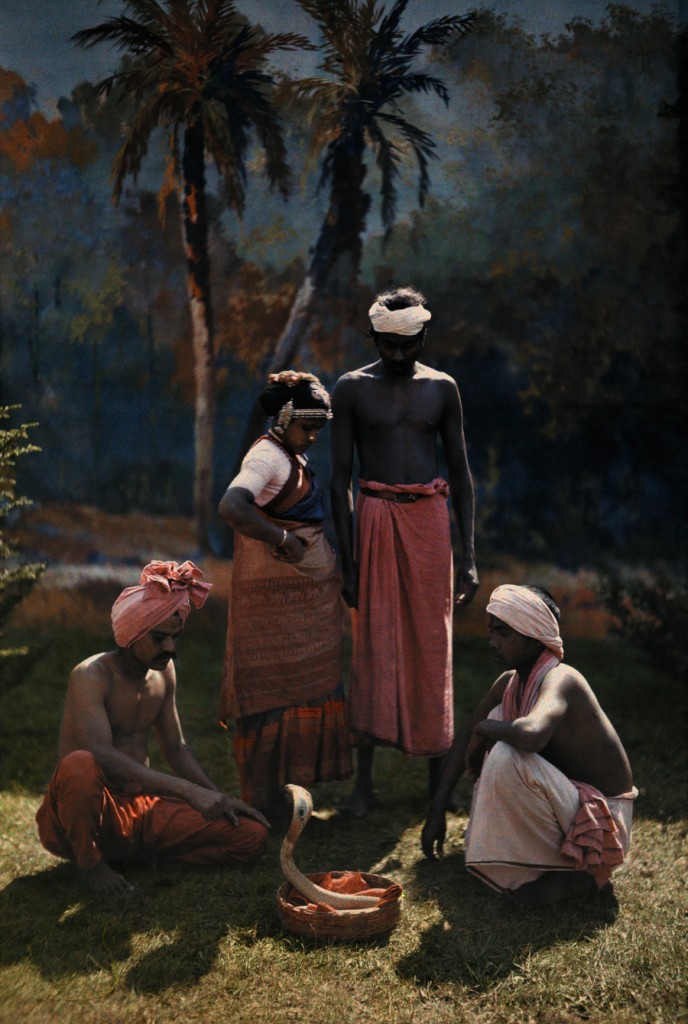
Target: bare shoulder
<point>496,691</point>
<point>442,383</point>
<point>430,373</point>
<point>354,377</point>
<point>567,679</point>
<point>97,669</point>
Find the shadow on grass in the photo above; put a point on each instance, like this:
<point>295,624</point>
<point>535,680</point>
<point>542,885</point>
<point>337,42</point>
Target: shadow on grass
<point>167,934</point>
<point>480,940</point>
<point>171,932</point>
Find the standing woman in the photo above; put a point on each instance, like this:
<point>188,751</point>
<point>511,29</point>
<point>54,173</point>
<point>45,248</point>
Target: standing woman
<point>282,676</point>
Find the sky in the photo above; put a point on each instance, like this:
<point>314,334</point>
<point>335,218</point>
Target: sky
<point>34,34</point>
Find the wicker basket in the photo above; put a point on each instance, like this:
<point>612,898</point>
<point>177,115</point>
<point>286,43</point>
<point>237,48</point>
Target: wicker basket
<point>342,925</point>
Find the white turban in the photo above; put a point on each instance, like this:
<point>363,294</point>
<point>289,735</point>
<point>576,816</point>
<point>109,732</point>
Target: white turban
<point>528,614</point>
<point>398,321</point>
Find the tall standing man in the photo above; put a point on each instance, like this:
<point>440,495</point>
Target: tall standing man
<point>397,558</point>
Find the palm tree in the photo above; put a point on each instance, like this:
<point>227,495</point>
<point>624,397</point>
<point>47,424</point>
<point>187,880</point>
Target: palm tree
<point>197,70</point>
<point>368,68</point>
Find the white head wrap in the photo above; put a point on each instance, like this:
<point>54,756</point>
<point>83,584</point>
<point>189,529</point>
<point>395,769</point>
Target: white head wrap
<point>528,614</point>
<point>398,321</point>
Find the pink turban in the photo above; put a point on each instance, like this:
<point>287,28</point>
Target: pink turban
<point>528,614</point>
<point>165,588</point>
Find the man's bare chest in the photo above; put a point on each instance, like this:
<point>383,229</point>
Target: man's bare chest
<point>413,405</point>
<point>134,710</point>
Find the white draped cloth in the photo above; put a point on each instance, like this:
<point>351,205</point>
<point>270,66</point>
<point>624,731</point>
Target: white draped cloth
<point>522,809</point>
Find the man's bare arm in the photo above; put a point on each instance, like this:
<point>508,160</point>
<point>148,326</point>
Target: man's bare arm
<point>90,729</point>
<point>342,436</point>
<point>173,746</point>
<point>462,494</point>
<point>532,732</point>
<point>215,804</point>
<point>434,830</point>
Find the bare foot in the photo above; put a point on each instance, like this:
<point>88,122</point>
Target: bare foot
<point>552,887</point>
<point>103,881</point>
<point>359,805</point>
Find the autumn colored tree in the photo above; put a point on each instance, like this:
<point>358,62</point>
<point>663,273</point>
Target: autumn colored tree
<point>198,71</point>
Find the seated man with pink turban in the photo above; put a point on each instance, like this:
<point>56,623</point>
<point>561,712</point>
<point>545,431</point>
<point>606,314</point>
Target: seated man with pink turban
<point>104,802</point>
<point>553,801</point>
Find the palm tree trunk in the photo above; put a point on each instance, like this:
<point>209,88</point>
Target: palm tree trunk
<point>195,236</point>
<point>333,269</point>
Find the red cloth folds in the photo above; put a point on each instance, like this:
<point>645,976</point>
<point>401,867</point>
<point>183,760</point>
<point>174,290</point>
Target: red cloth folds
<point>592,843</point>
<point>165,589</point>
<point>401,672</point>
<point>82,820</point>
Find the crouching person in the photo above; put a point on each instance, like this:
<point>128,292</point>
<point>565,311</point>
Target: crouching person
<point>553,802</point>
<point>104,802</point>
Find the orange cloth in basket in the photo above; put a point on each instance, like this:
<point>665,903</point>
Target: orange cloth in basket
<point>347,882</point>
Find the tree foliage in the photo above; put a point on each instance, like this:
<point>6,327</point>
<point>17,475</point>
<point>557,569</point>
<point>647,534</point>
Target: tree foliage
<point>197,71</point>
<point>16,577</point>
<point>551,247</point>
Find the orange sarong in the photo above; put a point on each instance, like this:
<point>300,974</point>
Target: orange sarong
<point>82,820</point>
<point>401,674</point>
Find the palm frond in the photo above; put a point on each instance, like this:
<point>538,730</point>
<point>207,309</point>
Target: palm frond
<point>436,32</point>
<point>388,158</point>
<point>160,110</point>
<point>416,82</point>
<point>226,144</point>
<point>125,35</point>
<point>147,12</point>
<point>423,146</point>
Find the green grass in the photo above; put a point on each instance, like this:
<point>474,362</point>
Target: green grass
<point>206,947</point>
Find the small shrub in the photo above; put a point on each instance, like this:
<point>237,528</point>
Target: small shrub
<point>16,576</point>
<point>650,614</point>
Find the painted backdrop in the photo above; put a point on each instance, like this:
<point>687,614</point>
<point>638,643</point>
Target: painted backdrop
<point>549,243</point>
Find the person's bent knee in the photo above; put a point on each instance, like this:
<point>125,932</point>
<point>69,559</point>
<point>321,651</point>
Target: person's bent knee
<point>503,754</point>
<point>79,762</point>
<point>255,839</point>
<point>77,769</point>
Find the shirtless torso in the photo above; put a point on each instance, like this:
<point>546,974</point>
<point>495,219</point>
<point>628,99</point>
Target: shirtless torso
<point>391,414</point>
<point>396,421</point>
<point>576,734</point>
<point>132,706</point>
<point>115,702</point>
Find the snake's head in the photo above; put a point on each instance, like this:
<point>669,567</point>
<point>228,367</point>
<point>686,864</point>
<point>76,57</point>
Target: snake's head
<point>303,805</point>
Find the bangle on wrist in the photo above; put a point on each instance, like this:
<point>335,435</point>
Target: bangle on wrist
<point>284,537</point>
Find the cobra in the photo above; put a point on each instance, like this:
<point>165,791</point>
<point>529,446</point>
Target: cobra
<point>303,808</point>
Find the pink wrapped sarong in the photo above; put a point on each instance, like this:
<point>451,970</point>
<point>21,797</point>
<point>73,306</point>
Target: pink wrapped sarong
<point>401,674</point>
